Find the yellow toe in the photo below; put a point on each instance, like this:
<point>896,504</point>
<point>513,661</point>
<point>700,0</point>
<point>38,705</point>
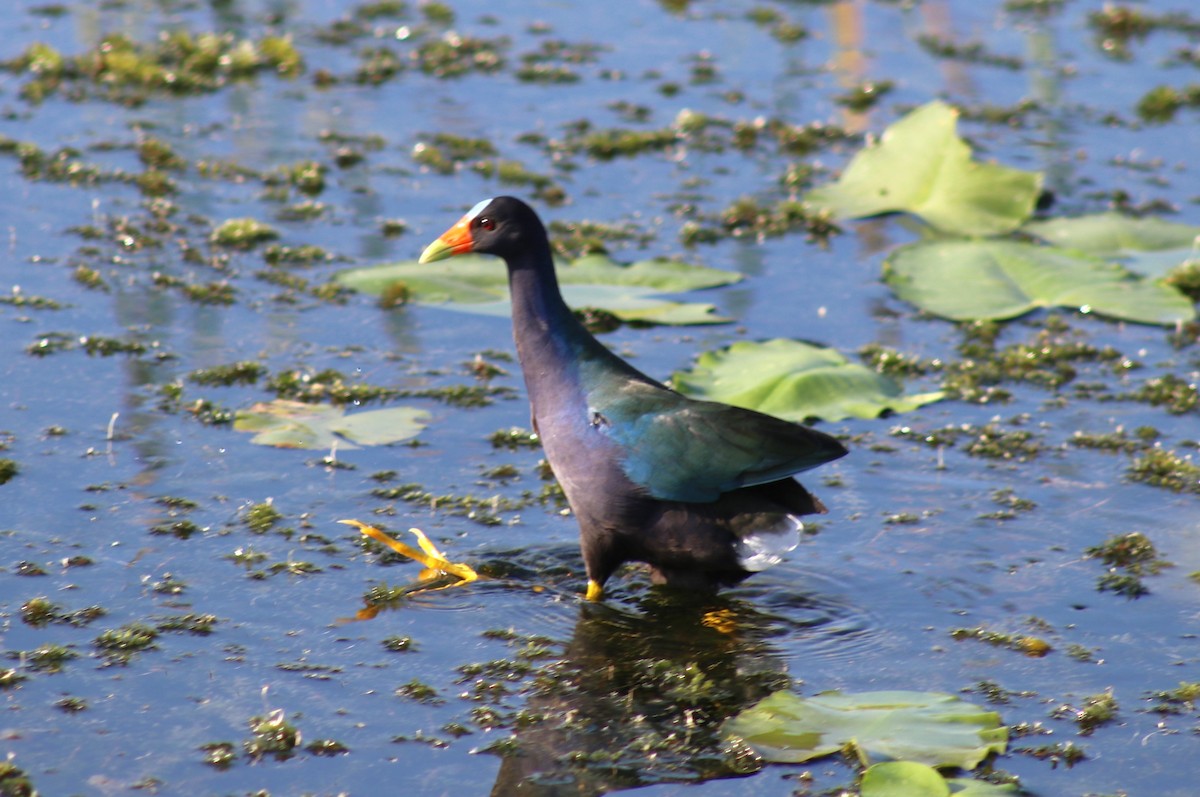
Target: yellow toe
<point>722,620</point>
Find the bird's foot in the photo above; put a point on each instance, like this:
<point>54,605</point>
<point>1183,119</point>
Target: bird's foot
<point>722,620</point>
<point>437,566</point>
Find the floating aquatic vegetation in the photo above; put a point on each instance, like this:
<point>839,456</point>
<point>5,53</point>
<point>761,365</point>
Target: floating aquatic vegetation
<point>927,727</point>
<point>1032,646</point>
<point>47,657</point>
<point>325,385</point>
<point>1115,234</point>
<point>515,438</point>
<point>746,217</point>
<point>272,735</point>
<point>970,52</point>
<point>245,233</point>
<point>246,372</point>
<point>260,518</point>
<point>1183,698</point>
<point>865,95</point>
<point>1161,467</point>
<point>120,645</point>
<point>911,779</point>
<point>178,62</point>
<point>1095,711</point>
<point>971,280</point>
<point>921,166</point>
<point>795,380</point>
<point>1116,25</point>
<point>1128,558</point>
<point>454,55</point>
<point>399,644</point>
<point>304,255</point>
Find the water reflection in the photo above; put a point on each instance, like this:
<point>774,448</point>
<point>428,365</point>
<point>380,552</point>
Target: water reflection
<point>641,692</point>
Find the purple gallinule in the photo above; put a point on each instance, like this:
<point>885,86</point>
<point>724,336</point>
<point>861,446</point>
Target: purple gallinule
<point>700,491</point>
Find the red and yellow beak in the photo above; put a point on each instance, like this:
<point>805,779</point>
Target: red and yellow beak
<point>454,241</point>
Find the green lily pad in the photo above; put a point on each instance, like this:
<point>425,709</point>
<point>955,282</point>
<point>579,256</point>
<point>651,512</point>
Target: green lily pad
<point>973,280</point>
<point>921,166</point>
<point>479,284</point>
<point>1148,246</point>
<point>903,779</point>
<point>1115,233</point>
<point>1160,264</point>
<point>926,727</point>
<point>794,380</point>
<point>969,787</point>
<point>910,779</point>
<point>293,424</point>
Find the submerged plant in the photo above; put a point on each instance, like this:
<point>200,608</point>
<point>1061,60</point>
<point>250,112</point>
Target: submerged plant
<point>15,782</point>
<point>1128,557</point>
<point>120,645</point>
<point>178,62</point>
<point>261,518</point>
<point>244,233</point>
<point>1097,710</point>
<point>1181,699</point>
<point>1164,468</point>
<point>272,735</point>
<point>1032,646</point>
<point>45,658</point>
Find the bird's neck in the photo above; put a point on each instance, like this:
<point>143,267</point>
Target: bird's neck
<point>562,362</point>
<point>551,343</point>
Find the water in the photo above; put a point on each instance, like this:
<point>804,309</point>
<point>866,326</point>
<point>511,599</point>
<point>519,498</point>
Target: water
<point>865,604</point>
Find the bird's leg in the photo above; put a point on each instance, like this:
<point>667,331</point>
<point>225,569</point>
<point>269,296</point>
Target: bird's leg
<point>600,557</point>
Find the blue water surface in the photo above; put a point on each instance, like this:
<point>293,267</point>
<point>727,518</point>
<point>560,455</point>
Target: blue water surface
<point>109,448</point>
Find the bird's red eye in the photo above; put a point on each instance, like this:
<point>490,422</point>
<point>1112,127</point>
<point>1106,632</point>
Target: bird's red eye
<point>486,223</point>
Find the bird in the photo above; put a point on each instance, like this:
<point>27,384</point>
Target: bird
<point>700,491</point>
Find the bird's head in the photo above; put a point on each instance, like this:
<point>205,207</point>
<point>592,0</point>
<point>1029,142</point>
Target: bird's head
<point>503,226</point>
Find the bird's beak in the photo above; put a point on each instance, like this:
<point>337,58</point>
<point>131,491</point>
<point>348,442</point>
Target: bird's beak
<point>454,241</point>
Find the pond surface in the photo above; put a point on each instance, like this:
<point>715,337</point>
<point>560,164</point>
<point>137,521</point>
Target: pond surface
<point>166,581</point>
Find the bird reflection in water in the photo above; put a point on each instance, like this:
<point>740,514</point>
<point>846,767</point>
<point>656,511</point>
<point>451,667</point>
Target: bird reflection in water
<point>640,698</point>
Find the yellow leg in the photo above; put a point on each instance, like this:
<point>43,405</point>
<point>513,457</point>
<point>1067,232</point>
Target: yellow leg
<point>594,591</point>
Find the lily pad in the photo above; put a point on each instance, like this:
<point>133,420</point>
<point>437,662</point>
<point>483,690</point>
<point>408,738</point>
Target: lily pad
<point>794,380</point>
<point>1115,233</point>
<point>1148,246</point>
<point>479,284</point>
<point>910,779</point>
<point>903,779</point>
<point>926,727</point>
<point>1161,264</point>
<point>975,280</point>
<point>969,787</point>
<point>921,166</point>
<point>293,424</point>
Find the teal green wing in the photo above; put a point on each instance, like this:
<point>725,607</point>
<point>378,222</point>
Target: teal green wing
<point>679,449</point>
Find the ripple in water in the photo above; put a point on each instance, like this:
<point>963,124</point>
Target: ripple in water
<point>790,615</point>
<point>817,623</point>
